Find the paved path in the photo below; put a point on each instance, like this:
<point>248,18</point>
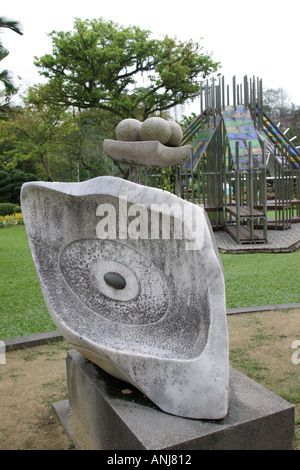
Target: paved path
<point>278,241</point>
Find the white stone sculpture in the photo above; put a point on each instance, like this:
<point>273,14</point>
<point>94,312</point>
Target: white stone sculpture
<point>132,278</point>
<point>152,143</point>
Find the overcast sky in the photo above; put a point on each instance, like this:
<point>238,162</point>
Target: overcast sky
<point>256,38</point>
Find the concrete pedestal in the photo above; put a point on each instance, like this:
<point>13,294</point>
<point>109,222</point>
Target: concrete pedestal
<point>105,413</point>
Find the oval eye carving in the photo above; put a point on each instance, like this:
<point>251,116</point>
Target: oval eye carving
<point>115,280</point>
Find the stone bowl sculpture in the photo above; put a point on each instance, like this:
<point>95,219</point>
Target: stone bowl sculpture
<point>152,143</point>
<point>145,153</point>
<point>132,279</point>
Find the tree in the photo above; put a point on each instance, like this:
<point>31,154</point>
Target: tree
<point>10,185</point>
<point>277,104</point>
<point>102,65</point>
<point>35,134</point>
<point>56,143</point>
<point>83,146</point>
<point>5,77</point>
<point>278,107</point>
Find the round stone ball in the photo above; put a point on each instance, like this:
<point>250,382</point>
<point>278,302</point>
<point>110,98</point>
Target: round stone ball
<point>155,128</point>
<point>128,130</point>
<point>176,134</point>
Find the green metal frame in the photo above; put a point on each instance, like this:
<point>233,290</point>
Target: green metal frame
<point>235,150</point>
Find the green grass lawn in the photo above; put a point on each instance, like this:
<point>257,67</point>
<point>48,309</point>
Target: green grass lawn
<point>251,280</point>
<point>22,307</point>
<point>261,279</point>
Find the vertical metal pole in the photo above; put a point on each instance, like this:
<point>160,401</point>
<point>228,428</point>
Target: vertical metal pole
<point>234,91</point>
<point>264,190</point>
<point>228,98</point>
<point>246,92</point>
<point>203,177</point>
<point>192,174</point>
<point>254,104</point>
<point>275,187</point>
<point>198,178</point>
<point>282,196</point>
<point>251,98</point>
<point>180,180</point>
<point>261,105</point>
<point>201,103</point>
<point>237,193</point>
<point>223,92</point>
<point>207,102</point>
<point>186,178</point>
<point>251,191</point>
<point>213,100</point>
<point>288,185</point>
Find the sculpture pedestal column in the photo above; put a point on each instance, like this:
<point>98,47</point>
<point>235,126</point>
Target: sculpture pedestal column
<point>101,413</point>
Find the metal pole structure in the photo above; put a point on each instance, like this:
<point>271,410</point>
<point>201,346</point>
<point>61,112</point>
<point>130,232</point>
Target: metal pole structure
<point>264,190</point>
<point>223,93</point>
<point>251,98</point>
<point>198,178</point>
<point>201,103</point>
<point>251,191</point>
<point>213,100</point>
<point>207,102</point>
<point>261,122</point>
<point>192,174</point>
<point>246,92</point>
<point>234,91</point>
<point>282,195</point>
<point>276,171</point>
<point>237,193</point>
<point>289,186</point>
<point>254,104</point>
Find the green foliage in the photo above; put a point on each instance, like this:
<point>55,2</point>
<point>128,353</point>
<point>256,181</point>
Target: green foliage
<point>6,208</point>
<point>278,107</point>
<point>55,144</point>
<point>10,186</point>
<point>5,76</point>
<point>99,65</point>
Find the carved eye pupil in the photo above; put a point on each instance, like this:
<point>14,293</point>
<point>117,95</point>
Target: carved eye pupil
<point>115,280</point>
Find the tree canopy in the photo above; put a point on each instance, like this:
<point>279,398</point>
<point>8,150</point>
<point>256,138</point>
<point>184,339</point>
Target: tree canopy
<point>283,113</point>
<point>5,78</point>
<point>102,65</point>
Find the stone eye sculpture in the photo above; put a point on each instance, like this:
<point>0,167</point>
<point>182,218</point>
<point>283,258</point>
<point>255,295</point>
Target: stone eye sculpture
<point>132,278</point>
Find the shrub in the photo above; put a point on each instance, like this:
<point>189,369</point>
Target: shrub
<point>7,208</point>
<point>10,185</point>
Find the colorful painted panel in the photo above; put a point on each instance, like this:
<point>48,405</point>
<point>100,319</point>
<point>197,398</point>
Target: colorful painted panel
<point>240,127</point>
<point>203,139</point>
<point>279,139</point>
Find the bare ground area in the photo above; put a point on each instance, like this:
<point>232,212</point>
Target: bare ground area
<point>33,378</point>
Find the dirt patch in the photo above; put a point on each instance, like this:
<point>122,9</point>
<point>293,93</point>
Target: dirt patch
<point>33,378</point>
<point>260,346</point>
<point>30,381</point>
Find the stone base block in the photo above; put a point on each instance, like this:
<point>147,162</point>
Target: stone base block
<point>105,413</point>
